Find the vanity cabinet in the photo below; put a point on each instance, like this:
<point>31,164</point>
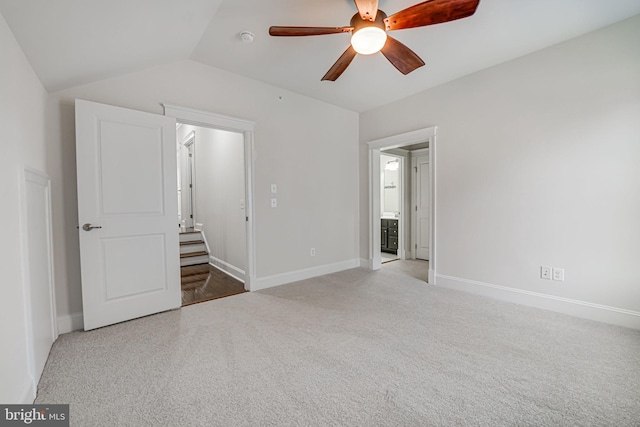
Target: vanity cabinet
<point>389,235</point>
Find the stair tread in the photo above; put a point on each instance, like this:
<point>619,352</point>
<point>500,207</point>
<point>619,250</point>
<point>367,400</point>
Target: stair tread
<point>193,254</point>
<point>195,269</point>
<point>192,242</point>
<point>194,278</point>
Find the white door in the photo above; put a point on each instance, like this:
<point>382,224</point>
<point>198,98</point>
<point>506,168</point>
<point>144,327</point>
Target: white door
<point>421,222</point>
<point>127,209</point>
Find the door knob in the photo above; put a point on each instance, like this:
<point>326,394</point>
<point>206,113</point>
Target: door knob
<point>89,227</point>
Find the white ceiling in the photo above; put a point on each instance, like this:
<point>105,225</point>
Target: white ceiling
<point>70,42</point>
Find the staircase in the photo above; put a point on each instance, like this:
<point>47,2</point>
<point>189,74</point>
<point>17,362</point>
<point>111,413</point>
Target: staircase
<point>193,250</point>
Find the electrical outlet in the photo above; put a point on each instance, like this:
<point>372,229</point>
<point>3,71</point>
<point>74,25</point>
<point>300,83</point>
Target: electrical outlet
<point>558,274</point>
<point>274,203</point>
<point>545,272</point>
<point>312,252</point>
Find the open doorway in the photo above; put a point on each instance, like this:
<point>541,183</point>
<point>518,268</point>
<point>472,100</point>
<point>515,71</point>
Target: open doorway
<point>216,199</point>
<point>391,198</point>
<point>416,228</point>
<point>212,230</point>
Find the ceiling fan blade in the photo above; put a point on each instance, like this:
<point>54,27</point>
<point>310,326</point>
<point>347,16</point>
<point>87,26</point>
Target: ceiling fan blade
<point>431,12</point>
<point>403,58</point>
<point>306,31</point>
<point>341,64</point>
<point>368,9</point>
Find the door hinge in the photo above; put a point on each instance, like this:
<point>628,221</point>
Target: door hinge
<point>191,216</point>
<point>246,218</point>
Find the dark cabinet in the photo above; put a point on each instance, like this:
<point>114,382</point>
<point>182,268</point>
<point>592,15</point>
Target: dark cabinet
<point>389,235</point>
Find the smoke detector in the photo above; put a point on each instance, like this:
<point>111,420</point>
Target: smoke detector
<point>247,36</point>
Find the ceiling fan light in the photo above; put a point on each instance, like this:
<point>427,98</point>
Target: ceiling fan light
<point>368,40</point>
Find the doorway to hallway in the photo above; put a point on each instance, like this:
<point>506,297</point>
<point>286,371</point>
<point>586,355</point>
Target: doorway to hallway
<point>211,183</point>
<point>229,245</point>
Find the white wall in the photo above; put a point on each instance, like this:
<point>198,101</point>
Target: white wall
<point>537,164</point>
<point>22,103</point>
<point>296,139</point>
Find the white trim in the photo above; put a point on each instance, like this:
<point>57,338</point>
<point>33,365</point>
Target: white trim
<point>413,214</point>
<point>200,228</point>
<point>573,307</point>
<point>431,278</point>
<point>190,139</point>
<point>226,268</point>
<point>249,167</point>
<point>307,273</point>
<point>34,176</point>
<point>70,322</point>
<point>374,209</point>
<point>419,152</point>
<point>218,121</point>
<point>398,141</point>
<point>403,139</point>
<point>195,117</point>
<point>28,394</point>
<point>422,153</point>
<point>189,148</point>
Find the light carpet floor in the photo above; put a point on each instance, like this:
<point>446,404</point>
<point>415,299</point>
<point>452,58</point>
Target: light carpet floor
<point>355,348</point>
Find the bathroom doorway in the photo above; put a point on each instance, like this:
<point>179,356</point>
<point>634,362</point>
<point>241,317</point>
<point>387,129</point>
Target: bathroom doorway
<point>402,145</point>
<point>391,198</point>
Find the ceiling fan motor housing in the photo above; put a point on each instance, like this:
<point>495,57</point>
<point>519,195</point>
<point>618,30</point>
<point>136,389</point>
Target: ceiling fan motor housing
<point>358,23</point>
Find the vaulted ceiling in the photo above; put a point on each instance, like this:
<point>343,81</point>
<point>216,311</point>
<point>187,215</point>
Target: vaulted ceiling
<point>70,42</point>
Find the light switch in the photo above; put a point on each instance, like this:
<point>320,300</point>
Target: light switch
<point>274,188</point>
<point>545,272</point>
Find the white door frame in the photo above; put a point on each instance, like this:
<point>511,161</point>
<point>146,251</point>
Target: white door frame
<point>399,141</point>
<point>201,118</point>
<point>42,180</point>
<point>414,198</point>
<point>190,150</point>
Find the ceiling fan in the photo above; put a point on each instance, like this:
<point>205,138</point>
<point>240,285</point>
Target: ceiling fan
<point>370,25</point>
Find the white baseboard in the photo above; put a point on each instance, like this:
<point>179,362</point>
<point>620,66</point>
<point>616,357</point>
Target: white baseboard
<point>583,309</point>
<point>70,322</point>
<point>28,393</point>
<point>366,263</point>
<point>307,273</point>
<point>227,268</point>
